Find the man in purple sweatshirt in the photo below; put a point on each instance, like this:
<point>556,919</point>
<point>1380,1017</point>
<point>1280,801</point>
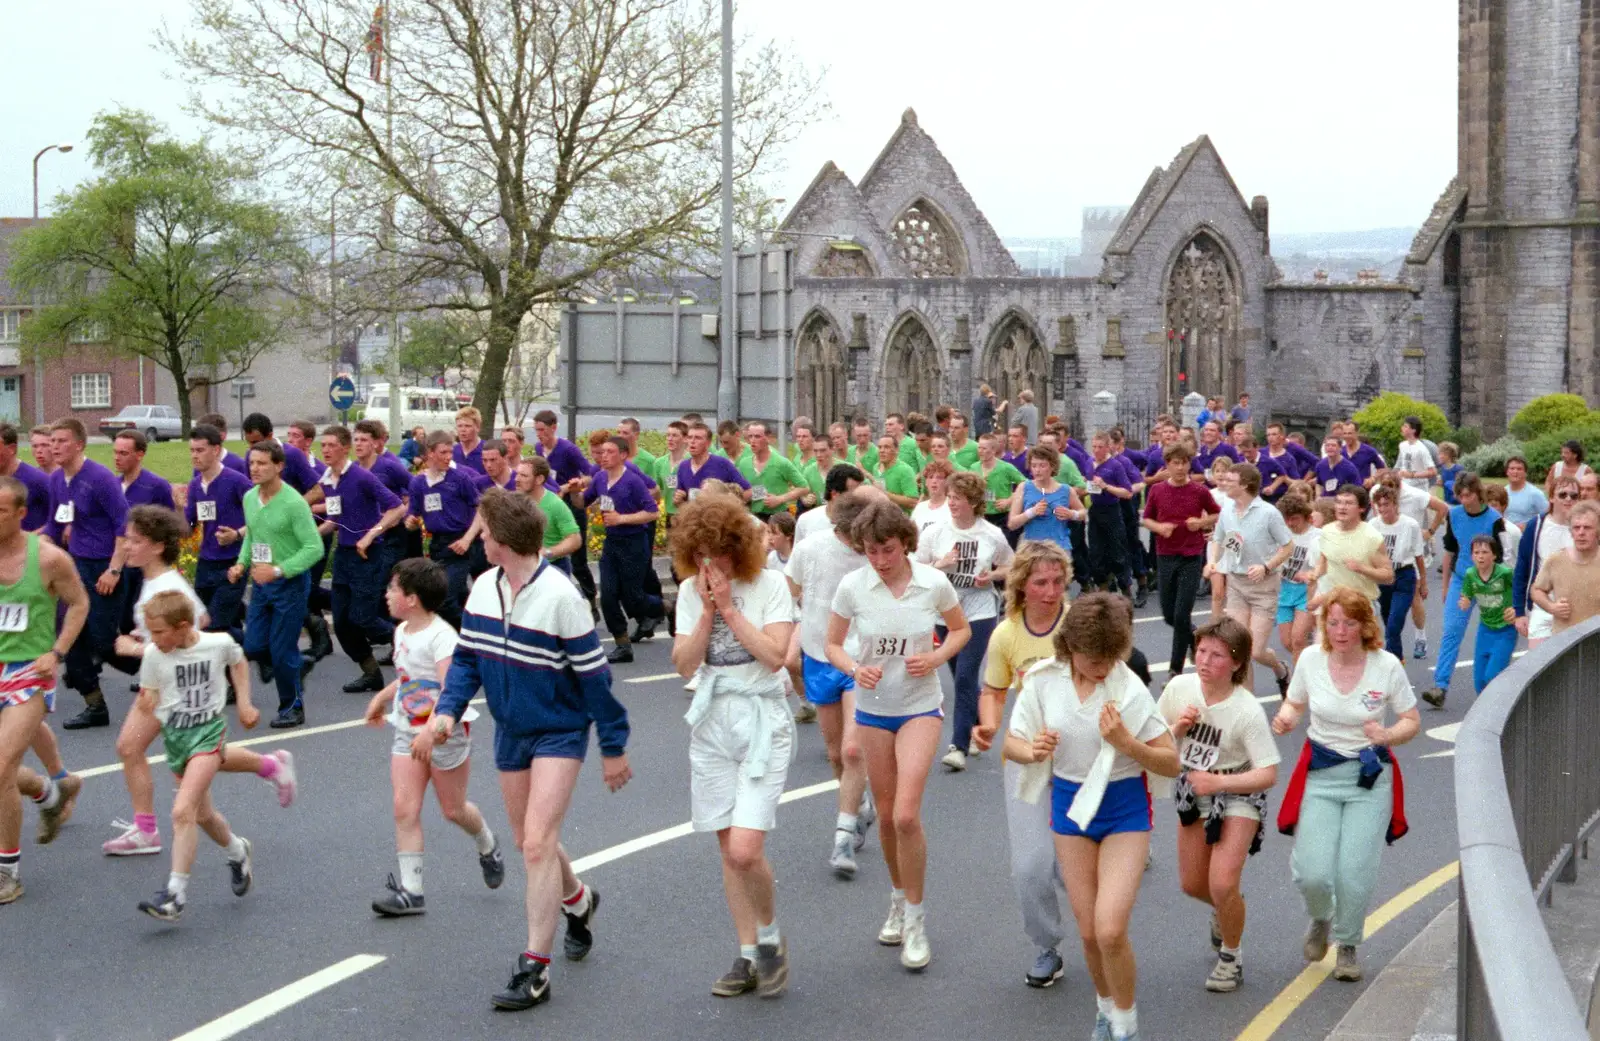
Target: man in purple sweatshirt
<point>567,461</point>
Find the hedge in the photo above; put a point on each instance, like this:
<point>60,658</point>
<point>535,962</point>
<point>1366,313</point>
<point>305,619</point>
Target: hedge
<point>1548,414</point>
<point>1379,422</point>
<point>1544,452</point>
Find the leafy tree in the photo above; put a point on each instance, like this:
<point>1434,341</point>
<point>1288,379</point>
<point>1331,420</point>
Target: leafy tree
<point>165,255</point>
<point>511,153</point>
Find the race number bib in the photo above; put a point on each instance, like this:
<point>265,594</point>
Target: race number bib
<point>13,618</point>
<point>889,647</point>
<point>758,491</point>
<point>988,496</point>
<point>1201,746</point>
<point>607,504</point>
<point>672,481</point>
<point>64,513</point>
<point>432,502</point>
<point>205,510</point>
<point>335,505</point>
<point>692,493</point>
<point>260,553</point>
<point>1331,484</point>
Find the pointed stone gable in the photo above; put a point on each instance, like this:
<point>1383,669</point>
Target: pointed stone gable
<point>832,206</point>
<point>1446,211</point>
<point>910,168</point>
<point>1159,189</point>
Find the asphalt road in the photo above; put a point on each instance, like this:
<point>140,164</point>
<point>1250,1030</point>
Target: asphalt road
<point>78,962</point>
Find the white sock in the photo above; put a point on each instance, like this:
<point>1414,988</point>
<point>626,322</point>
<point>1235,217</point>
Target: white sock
<point>866,803</point>
<point>846,822</point>
<point>411,873</point>
<point>178,885</point>
<point>51,797</point>
<point>1124,1021</point>
<point>234,849</point>
<point>582,905</point>
<point>913,913</point>
<point>767,935</point>
<point>1232,950</point>
<point>1104,1005</point>
<point>484,840</point>
<point>748,951</point>
<point>897,895</point>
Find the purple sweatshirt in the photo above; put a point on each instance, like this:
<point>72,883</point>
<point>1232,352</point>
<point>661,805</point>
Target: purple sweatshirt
<point>356,502</point>
<point>219,504</point>
<point>93,505</point>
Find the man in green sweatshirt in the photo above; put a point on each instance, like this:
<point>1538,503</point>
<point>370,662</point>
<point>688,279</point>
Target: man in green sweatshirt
<point>280,544</point>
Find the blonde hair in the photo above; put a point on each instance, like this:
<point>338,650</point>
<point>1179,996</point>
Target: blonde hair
<point>1029,556</point>
<point>472,414</point>
<point>171,607</point>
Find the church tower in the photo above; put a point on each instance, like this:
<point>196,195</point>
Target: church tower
<point>1529,158</point>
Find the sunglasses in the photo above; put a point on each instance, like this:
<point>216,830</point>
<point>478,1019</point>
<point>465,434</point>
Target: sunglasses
<point>1566,495</point>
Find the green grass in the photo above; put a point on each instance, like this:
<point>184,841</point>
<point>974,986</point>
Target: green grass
<point>169,459</point>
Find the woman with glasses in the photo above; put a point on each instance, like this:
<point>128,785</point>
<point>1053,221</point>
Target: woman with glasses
<point>1546,535</point>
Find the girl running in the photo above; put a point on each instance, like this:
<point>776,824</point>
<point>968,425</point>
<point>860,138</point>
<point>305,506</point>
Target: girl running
<point>1294,612</point>
<point>1045,506</point>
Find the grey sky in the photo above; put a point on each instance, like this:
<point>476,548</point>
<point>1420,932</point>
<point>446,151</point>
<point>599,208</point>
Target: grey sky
<point>1342,115</point>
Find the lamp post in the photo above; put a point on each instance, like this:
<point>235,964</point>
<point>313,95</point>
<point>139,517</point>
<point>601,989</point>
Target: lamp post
<point>727,381</point>
<point>333,283</point>
<point>38,360</point>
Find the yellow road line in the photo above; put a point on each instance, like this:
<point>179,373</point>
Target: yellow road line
<point>1290,998</point>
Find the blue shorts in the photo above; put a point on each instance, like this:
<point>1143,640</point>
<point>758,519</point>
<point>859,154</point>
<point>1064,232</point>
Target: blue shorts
<point>1291,598</point>
<point>1125,807</point>
<point>893,723</point>
<point>514,753</point>
<point>825,685</point>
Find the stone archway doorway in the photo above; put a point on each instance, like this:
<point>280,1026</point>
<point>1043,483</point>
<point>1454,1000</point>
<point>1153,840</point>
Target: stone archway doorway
<point>819,373</point>
<point>1016,361</point>
<point>1203,303</point>
<point>911,369</point>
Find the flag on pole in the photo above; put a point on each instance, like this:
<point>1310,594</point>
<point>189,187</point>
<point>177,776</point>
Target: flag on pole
<point>375,45</point>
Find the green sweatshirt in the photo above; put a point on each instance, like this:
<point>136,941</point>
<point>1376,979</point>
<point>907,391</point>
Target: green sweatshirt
<point>287,528</point>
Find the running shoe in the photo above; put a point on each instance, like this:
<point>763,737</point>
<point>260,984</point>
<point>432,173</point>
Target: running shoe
<point>973,751</point>
<point>894,927</point>
<point>692,684</point>
<point>843,859</point>
<point>285,780</point>
<point>865,816</point>
<point>1347,967</point>
<point>1420,648</point>
<point>741,979</point>
<point>398,902</point>
<point>1102,1028</point>
<point>914,952</point>
<point>954,759</point>
<point>50,820</point>
<point>621,654</point>
<point>1216,932</point>
<point>70,785</point>
<point>1226,974</point>
<point>530,985</point>
<point>1316,945</point>
<point>241,872</point>
<point>579,938</point>
<point>10,888</point>
<point>132,842</point>
<point>772,969</point>
<point>806,713</point>
<point>493,866</point>
<point>165,906</point>
<point>1434,696</point>
<point>1047,969</point>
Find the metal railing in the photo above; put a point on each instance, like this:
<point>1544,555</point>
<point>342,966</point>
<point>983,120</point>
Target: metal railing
<point>1527,799</point>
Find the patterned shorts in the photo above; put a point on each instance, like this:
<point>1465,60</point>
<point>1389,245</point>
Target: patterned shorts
<point>17,685</point>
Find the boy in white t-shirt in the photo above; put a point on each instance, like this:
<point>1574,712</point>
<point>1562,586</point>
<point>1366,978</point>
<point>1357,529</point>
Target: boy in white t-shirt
<point>424,643</point>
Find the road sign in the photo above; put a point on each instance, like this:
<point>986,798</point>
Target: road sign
<point>342,393</point>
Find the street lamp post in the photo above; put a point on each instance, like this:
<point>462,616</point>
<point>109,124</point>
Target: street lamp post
<point>38,360</point>
<point>727,385</point>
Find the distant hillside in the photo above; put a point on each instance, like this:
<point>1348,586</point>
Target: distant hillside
<point>1373,240</point>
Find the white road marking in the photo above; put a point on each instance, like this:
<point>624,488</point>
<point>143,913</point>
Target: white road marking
<point>263,1008</point>
<point>1157,618</point>
<point>653,679</point>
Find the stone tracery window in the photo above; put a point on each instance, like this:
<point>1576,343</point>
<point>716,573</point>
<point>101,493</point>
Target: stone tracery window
<point>911,369</point>
<point>1203,304</point>
<point>1016,361</point>
<point>926,243</point>
<point>844,262</point>
<point>819,374</point>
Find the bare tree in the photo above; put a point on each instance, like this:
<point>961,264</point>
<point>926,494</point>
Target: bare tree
<point>515,149</point>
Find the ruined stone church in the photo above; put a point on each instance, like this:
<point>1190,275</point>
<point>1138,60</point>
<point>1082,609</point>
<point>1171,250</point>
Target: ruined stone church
<point>904,295</point>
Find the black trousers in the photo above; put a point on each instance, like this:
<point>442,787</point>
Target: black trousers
<point>1178,579</point>
<point>1108,546</point>
<point>623,564</point>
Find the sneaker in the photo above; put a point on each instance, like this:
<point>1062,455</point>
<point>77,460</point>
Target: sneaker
<point>529,986</point>
<point>865,816</point>
<point>284,780</point>
<point>1434,696</point>
<point>289,718</point>
<point>955,759</point>
<point>50,820</point>
<point>772,969</point>
<point>894,927</point>
<point>70,786</point>
<point>493,866</point>
<point>1047,969</point>
<point>1225,975</point>
<point>914,952</point>
<point>1420,648</point>
<point>398,902</point>
<point>132,842</point>
<point>1347,967</point>
<point>973,751</point>
<point>621,654</point>
<point>692,684</point>
<point>1216,932</point>
<point>843,860</point>
<point>1316,946</point>
<point>165,906</point>
<point>579,938</point>
<point>806,713</point>
<point>1102,1028</point>
<point>10,888</point>
<point>741,979</point>
<point>242,872</point>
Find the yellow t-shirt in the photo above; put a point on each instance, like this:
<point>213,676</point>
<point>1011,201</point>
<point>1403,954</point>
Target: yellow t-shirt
<point>1339,547</point>
<point>1013,650</point>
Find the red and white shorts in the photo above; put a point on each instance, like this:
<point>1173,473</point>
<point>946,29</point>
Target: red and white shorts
<point>18,684</point>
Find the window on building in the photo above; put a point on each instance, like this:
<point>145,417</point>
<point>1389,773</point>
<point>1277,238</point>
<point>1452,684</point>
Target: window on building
<point>88,332</point>
<point>10,326</point>
<point>91,390</point>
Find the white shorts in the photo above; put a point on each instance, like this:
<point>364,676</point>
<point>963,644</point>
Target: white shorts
<point>720,794</point>
<point>1238,806</point>
<point>1540,622</point>
<point>447,756</point>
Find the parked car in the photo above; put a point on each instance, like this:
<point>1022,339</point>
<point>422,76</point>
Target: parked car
<point>156,422</point>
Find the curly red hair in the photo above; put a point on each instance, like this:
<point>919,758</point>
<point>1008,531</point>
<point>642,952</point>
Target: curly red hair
<point>715,526</point>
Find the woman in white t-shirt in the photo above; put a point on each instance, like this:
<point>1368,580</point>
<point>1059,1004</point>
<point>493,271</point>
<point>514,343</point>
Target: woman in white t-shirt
<point>935,508</point>
<point>892,607</point>
<point>735,617</point>
<point>1406,546</point>
<point>1294,614</point>
<point>974,554</point>
<point>1351,686</point>
<point>1091,733</point>
<point>1229,762</point>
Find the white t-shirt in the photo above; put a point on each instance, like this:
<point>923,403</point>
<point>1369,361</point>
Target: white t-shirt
<point>811,522</point>
<point>416,660</point>
<point>892,629</point>
<point>925,515</point>
<point>1413,456</point>
<point>1306,555</point>
<point>763,600</point>
<point>775,562</point>
<point>1403,540</point>
<point>817,566</point>
<point>979,549</point>
<point>1510,540</point>
<point>163,583</point>
<point>1553,538</point>
<point>1337,718</point>
<point>192,682</point>
<point>1229,737</point>
<point>1049,696</point>
<point>1414,504</point>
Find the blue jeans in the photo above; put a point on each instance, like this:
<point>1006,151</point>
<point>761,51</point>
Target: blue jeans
<point>94,642</point>
<point>1453,628</point>
<point>359,620</point>
<point>224,600</point>
<point>1491,654</point>
<point>967,668</point>
<point>272,631</point>
<point>1394,605</point>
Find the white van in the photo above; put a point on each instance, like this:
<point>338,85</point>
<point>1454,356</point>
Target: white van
<point>432,408</point>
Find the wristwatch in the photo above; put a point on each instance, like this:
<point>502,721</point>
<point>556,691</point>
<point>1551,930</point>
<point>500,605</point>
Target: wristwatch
<point>277,571</point>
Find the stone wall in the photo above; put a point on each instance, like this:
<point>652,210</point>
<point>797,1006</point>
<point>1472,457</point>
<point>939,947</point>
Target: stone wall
<point>1332,348</point>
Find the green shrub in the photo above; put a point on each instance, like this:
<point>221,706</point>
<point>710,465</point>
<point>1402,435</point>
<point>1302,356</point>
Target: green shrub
<point>1380,421</point>
<point>1468,439</point>
<point>1547,414</point>
<point>1544,452</point>
<point>1490,460</point>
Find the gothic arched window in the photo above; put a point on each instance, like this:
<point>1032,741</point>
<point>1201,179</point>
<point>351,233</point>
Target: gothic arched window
<point>1016,361</point>
<point>926,243</point>
<point>819,374</point>
<point>911,369</point>
<point>1203,304</point>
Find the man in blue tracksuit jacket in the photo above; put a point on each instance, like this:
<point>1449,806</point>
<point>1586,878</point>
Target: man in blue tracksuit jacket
<point>528,641</point>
